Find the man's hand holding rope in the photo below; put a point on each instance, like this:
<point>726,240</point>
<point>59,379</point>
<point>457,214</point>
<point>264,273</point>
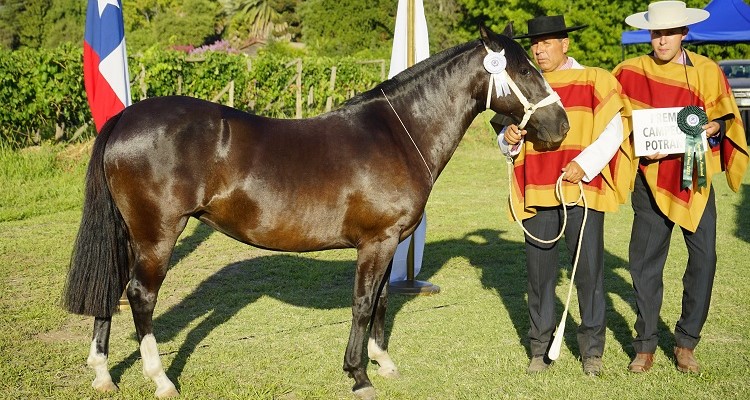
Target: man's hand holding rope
<point>514,134</point>
<point>572,172</point>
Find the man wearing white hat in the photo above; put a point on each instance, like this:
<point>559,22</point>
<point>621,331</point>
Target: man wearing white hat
<point>674,189</point>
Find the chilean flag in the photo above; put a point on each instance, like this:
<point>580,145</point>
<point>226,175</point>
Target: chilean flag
<point>105,62</point>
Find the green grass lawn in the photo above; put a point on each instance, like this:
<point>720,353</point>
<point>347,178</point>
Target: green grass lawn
<point>235,322</point>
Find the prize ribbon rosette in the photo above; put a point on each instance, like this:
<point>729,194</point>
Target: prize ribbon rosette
<point>494,63</point>
<point>690,121</point>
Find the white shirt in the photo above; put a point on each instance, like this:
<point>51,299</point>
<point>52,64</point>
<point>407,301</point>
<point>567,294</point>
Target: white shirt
<point>595,156</point>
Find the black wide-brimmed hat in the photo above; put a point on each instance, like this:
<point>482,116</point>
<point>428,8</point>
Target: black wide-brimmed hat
<point>546,25</point>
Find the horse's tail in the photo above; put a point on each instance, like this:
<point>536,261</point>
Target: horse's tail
<point>98,270</point>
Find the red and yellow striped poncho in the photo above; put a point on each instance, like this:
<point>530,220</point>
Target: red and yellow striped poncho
<point>591,98</point>
<point>649,85</point>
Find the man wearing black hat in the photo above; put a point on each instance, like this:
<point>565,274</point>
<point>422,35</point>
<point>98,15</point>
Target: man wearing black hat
<point>592,154</point>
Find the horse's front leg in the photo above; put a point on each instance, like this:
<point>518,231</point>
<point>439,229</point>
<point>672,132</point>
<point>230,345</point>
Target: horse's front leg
<point>142,296</point>
<point>376,346</point>
<point>372,262</point>
<point>98,355</point>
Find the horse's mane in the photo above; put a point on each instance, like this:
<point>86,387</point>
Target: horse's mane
<point>514,54</point>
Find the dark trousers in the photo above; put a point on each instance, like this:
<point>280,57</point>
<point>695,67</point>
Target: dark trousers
<point>542,264</point>
<point>649,245</point>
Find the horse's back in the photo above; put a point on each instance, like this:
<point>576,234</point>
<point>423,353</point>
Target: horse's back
<point>281,184</point>
<point>169,116</point>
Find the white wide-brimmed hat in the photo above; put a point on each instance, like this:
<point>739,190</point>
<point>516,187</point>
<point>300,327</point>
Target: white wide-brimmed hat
<point>666,15</point>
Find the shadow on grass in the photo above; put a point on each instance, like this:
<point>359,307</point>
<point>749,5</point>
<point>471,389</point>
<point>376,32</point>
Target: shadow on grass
<point>321,284</point>
<point>189,243</point>
<point>619,325</point>
<point>503,266</point>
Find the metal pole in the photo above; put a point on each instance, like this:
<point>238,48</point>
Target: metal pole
<point>410,53</point>
<point>410,285</point>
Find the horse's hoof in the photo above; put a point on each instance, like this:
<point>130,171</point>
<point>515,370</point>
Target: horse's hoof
<point>105,387</point>
<point>390,373</point>
<point>366,393</point>
<point>166,393</point>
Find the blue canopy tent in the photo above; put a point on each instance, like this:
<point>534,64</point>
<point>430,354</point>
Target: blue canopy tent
<point>729,22</point>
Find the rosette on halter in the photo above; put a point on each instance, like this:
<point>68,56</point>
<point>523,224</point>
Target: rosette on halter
<point>495,63</point>
<point>690,120</point>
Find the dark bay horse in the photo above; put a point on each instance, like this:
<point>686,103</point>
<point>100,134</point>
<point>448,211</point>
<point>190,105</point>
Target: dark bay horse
<point>357,177</point>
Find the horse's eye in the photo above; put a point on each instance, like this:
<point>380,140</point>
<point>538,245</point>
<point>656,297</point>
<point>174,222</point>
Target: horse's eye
<point>525,72</point>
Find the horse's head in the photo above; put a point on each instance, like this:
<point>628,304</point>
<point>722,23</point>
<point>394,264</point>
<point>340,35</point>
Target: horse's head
<point>518,90</point>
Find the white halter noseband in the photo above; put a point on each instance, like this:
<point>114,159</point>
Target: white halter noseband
<point>494,63</point>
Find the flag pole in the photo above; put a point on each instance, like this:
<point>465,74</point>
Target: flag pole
<point>410,53</point>
<point>410,285</point>
<point>107,84</point>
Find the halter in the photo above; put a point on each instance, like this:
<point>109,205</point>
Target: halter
<point>494,63</point>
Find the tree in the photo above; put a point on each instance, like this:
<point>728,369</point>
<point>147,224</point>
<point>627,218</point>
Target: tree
<point>41,24</point>
<point>333,27</point>
<point>30,23</point>
<point>9,9</point>
<point>251,21</point>
<point>64,23</point>
<point>166,23</point>
<point>288,16</point>
<point>599,44</point>
<point>363,28</point>
<point>448,24</point>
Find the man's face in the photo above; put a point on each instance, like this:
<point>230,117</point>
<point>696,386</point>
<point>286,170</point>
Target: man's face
<point>667,43</point>
<point>549,52</point>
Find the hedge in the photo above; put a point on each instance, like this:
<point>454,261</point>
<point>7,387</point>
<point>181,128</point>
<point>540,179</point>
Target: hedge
<point>43,97</point>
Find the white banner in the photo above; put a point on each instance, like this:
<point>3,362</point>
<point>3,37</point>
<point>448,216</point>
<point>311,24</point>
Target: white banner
<point>398,271</point>
<point>399,58</point>
<point>421,40</point>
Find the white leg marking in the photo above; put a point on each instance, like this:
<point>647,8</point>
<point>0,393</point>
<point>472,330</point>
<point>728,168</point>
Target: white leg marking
<point>153,369</point>
<point>98,362</point>
<point>387,367</point>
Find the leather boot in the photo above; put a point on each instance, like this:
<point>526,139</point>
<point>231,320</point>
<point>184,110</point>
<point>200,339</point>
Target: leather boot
<point>641,363</point>
<point>685,360</point>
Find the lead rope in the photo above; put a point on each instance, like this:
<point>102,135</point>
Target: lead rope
<point>554,351</point>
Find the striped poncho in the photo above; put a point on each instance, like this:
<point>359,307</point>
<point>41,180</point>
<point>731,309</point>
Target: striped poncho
<point>650,85</point>
<point>591,98</point>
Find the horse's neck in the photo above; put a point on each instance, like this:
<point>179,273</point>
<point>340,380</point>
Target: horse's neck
<point>436,110</point>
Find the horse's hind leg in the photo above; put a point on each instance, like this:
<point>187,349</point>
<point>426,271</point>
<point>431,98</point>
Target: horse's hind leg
<point>98,354</point>
<point>372,262</point>
<point>376,347</point>
<point>142,297</point>
<point>149,271</point>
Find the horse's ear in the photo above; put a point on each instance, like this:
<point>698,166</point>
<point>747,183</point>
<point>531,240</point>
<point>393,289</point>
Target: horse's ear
<point>508,31</point>
<point>485,33</point>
